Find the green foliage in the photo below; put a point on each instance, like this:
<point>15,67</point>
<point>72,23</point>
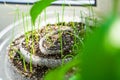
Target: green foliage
<point>97,63</point>
<point>38,7</point>
<point>61,71</point>
<point>99,60</point>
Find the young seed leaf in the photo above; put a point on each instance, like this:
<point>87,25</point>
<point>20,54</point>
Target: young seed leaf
<point>37,8</point>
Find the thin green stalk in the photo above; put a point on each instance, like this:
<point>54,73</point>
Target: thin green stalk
<point>27,24</point>
<point>32,49</point>
<point>31,67</point>
<point>23,17</point>
<point>75,32</point>
<point>31,53</point>
<point>18,12</point>
<point>23,59</point>
<point>60,35</point>
<point>75,29</point>
<point>81,16</point>
<point>11,52</point>
<point>25,29</point>
<point>79,39</point>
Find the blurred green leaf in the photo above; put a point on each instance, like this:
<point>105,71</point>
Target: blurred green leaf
<point>60,72</point>
<point>97,62</point>
<point>38,7</point>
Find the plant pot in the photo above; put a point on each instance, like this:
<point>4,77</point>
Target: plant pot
<point>11,71</point>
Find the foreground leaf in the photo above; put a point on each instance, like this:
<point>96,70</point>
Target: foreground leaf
<point>60,72</point>
<point>38,7</point>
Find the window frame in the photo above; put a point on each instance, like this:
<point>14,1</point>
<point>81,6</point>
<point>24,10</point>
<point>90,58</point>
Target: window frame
<point>53,4</point>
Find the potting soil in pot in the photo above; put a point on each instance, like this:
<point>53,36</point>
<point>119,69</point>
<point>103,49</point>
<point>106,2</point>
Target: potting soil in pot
<point>36,52</point>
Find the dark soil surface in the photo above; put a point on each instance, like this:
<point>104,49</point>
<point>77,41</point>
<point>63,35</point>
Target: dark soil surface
<point>38,72</point>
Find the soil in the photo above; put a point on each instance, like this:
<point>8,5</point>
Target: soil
<point>38,72</point>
